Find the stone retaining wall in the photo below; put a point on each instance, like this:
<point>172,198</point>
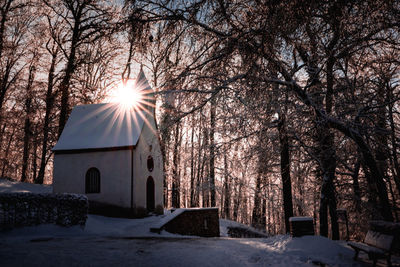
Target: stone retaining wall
<point>26,209</point>
<point>196,221</point>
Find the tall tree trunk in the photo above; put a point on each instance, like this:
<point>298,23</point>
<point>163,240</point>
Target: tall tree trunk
<point>4,9</point>
<point>165,179</point>
<point>165,134</point>
<point>6,153</point>
<point>212,151</point>
<point>65,108</point>
<point>299,182</point>
<point>68,72</point>
<point>164,152</point>
<point>205,178</point>
<point>328,197</point>
<point>393,199</point>
<point>206,184</point>
<point>199,168</point>
<point>285,171</point>
<point>396,174</point>
<point>183,188</point>
<point>245,208</point>
<point>4,86</point>
<point>227,193</point>
<point>381,149</point>
<point>328,162</point>
<point>3,158</point>
<point>238,197</point>
<point>324,136</point>
<point>27,126</point>
<point>376,183</point>
<point>256,215</point>
<point>46,123</point>
<point>175,175</point>
<point>264,209</point>
<point>356,184</point>
<point>192,170</point>
<point>34,159</point>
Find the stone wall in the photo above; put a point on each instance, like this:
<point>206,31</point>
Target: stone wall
<point>300,226</point>
<point>199,222</point>
<point>26,209</point>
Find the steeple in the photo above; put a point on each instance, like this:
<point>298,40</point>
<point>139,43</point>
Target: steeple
<point>148,101</point>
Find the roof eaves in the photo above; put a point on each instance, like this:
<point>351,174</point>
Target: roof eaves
<point>91,150</point>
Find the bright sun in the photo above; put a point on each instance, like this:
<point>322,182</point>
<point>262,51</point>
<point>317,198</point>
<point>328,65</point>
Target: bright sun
<point>126,95</point>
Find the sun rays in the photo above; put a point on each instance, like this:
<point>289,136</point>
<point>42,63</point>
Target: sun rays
<point>130,103</point>
<point>133,95</point>
<point>118,121</point>
<point>127,95</point>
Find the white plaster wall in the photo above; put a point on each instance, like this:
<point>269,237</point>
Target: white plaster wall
<point>115,175</point>
<point>148,137</point>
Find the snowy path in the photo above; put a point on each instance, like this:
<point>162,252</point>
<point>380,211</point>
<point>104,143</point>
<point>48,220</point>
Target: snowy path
<point>128,242</point>
<point>101,251</point>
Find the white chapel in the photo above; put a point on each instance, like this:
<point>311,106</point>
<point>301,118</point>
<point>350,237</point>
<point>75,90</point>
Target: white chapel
<point>112,154</point>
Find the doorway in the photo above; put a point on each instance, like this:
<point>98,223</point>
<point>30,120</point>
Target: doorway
<point>150,201</point>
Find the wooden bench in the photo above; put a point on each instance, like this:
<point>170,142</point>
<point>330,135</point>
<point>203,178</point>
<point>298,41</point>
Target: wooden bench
<point>376,245</point>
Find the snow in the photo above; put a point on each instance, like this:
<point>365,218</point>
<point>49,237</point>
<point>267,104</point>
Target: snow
<point>108,125</point>
<point>108,241</point>
<point>225,224</point>
<point>102,243</point>
<point>7,186</point>
<point>170,216</point>
<point>167,218</point>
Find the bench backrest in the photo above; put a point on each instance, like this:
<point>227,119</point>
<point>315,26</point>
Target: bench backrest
<point>378,240</point>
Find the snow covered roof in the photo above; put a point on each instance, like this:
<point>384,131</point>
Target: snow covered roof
<point>101,126</point>
<point>108,125</point>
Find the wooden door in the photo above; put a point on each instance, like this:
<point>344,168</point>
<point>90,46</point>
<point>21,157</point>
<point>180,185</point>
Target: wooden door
<point>150,201</point>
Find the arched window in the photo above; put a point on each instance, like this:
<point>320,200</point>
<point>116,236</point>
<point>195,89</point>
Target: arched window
<point>150,163</point>
<point>92,184</point>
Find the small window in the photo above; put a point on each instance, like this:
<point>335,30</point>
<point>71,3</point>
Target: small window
<point>205,224</point>
<point>92,181</point>
<point>150,163</point>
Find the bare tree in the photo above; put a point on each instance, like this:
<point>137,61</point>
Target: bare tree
<point>85,21</point>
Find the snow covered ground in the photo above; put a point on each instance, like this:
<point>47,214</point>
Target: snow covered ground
<point>128,242</point>
<point>10,186</point>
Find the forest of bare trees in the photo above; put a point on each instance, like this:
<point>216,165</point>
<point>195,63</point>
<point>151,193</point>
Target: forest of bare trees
<point>266,109</point>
